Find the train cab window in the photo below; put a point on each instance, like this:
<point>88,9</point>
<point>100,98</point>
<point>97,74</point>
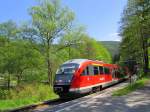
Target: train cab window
<point>101,70</point>
<point>96,70</point>
<point>106,70</point>
<point>85,71</point>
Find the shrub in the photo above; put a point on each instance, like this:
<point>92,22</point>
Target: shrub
<point>25,95</point>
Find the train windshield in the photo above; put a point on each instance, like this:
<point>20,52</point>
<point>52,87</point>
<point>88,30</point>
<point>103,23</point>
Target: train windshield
<point>65,73</point>
<point>67,69</point>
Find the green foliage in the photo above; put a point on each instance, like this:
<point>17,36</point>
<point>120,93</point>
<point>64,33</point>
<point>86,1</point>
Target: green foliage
<point>27,94</point>
<point>18,56</point>
<point>9,30</point>
<point>113,48</point>
<point>104,54</point>
<point>51,21</point>
<point>135,32</point>
<point>130,88</point>
<point>4,94</point>
<point>84,47</point>
<point>50,18</point>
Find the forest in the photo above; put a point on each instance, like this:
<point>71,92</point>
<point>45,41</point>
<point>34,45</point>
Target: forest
<point>31,52</point>
<point>135,33</point>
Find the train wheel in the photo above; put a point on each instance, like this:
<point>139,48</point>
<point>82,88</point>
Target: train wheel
<point>62,96</point>
<point>96,89</point>
<point>90,92</point>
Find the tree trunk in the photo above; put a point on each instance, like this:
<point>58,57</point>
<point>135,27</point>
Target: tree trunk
<point>145,52</point>
<point>49,63</point>
<point>146,61</point>
<point>19,78</point>
<point>144,41</point>
<point>69,52</point>
<point>49,72</point>
<point>8,82</point>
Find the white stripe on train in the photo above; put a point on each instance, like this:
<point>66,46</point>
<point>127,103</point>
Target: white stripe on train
<point>88,87</point>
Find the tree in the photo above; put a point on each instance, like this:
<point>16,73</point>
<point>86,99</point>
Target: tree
<point>16,57</point>
<point>71,40</point>
<point>134,31</point>
<point>9,30</point>
<point>84,46</point>
<point>51,22</point>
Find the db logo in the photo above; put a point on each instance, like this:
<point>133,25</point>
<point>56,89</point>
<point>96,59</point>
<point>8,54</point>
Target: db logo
<point>101,78</point>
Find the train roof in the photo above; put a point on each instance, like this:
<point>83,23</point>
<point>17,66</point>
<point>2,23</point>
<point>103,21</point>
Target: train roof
<point>77,61</point>
<point>80,61</point>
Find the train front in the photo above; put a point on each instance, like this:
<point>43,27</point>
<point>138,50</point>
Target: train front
<point>63,78</point>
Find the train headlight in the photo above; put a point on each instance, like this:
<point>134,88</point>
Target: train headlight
<point>57,81</point>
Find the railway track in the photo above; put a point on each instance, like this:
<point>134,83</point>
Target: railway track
<point>53,103</point>
<point>32,107</point>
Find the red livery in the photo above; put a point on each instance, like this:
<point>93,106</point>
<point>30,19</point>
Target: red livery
<point>81,76</point>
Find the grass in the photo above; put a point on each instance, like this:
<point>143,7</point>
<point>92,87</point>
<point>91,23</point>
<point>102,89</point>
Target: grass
<point>26,95</point>
<point>130,88</point>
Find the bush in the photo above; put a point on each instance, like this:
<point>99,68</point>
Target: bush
<point>4,94</point>
<point>25,95</point>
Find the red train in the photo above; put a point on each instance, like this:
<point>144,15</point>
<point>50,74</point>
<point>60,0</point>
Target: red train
<point>81,76</point>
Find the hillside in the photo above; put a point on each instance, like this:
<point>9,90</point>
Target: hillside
<point>112,46</point>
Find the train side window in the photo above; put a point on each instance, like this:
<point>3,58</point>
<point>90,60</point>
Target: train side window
<point>107,71</point>
<point>113,73</point>
<point>116,72</point>
<point>101,70</point>
<point>96,70</point>
<point>91,70</point>
<point>85,71</point>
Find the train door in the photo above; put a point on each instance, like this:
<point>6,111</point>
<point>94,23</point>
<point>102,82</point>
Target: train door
<point>108,76</point>
<point>102,74</point>
<point>116,74</point>
<point>85,77</point>
<point>113,73</point>
<point>96,75</point>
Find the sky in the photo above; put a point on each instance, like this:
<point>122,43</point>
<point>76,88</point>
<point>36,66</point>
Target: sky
<point>100,17</point>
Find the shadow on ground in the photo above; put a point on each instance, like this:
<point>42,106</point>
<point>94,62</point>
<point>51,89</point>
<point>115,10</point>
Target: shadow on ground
<point>138,101</point>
